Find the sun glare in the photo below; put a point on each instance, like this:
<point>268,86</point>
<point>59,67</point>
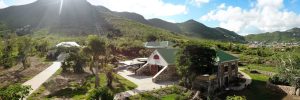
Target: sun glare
<point>61,5</point>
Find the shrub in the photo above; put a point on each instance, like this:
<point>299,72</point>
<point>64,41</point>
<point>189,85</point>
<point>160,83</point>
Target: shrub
<point>236,98</point>
<point>279,80</point>
<point>104,93</point>
<point>14,92</point>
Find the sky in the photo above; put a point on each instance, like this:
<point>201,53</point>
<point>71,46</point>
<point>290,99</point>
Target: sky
<point>241,16</point>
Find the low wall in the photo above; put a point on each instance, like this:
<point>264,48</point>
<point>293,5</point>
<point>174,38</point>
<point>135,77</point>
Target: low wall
<point>144,69</point>
<point>266,73</point>
<point>169,74</point>
<point>281,88</point>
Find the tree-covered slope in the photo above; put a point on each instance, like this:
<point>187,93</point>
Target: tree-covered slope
<point>79,17</point>
<point>73,16</point>
<point>196,29</point>
<point>165,25</point>
<point>190,28</point>
<point>292,35</point>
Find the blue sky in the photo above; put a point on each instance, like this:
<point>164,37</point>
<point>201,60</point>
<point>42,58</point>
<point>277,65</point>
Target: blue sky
<point>242,16</point>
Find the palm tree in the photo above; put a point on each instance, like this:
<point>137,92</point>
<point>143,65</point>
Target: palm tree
<point>96,48</point>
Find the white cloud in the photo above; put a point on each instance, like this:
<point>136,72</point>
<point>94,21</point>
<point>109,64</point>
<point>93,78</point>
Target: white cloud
<point>222,6</point>
<point>2,4</point>
<point>148,8</point>
<point>22,2</point>
<point>265,16</point>
<point>199,2</point>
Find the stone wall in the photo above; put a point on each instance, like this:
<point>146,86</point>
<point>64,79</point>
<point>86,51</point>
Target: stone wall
<point>281,88</point>
<point>231,73</point>
<point>168,74</point>
<point>143,70</point>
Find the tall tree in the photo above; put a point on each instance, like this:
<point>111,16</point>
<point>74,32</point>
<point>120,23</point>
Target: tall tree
<point>24,47</point>
<point>96,48</point>
<point>7,58</point>
<point>195,59</point>
<point>76,60</point>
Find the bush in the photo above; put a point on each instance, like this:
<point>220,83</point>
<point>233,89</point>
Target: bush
<point>279,80</point>
<point>14,92</point>
<point>104,93</point>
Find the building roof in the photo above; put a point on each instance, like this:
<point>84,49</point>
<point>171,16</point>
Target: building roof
<point>68,44</point>
<point>162,44</point>
<point>169,54</point>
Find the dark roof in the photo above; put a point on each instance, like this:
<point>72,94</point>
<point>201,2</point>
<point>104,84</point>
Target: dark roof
<point>169,54</point>
<point>223,56</point>
<point>162,44</point>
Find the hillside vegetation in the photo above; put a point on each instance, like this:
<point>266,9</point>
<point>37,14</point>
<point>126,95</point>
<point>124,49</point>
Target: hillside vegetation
<point>292,35</point>
<point>79,17</point>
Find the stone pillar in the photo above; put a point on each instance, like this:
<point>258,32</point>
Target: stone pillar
<point>298,92</point>
<point>221,75</point>
<point>230,71</point>
<point>236,68</point>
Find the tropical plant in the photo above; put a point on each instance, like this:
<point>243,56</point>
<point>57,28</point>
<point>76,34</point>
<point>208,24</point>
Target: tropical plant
<point>7,59</point>
<point>96,48</point>
<point>76,60</point>
<point>289,68</point>
<point>24,47</point>
<point>14,92</point>
<point>102,93</point>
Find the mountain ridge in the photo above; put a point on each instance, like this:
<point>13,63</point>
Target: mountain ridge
<point>290,35</point>
<point>80,17</point>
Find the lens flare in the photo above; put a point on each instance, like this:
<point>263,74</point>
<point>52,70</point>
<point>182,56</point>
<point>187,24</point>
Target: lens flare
<point>61,5</point>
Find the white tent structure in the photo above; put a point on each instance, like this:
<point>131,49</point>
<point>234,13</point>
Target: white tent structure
<point>68,44</point>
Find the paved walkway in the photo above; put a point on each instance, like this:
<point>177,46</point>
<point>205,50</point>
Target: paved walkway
<point>248,81</point>
<point>144,83</point>
<point>42,77</point>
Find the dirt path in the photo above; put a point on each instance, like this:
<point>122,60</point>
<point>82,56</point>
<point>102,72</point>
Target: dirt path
<point>42,77</point>
<point>144,83</point>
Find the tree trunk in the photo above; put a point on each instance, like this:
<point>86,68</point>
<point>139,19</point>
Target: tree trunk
<point>92,64</point>
<point>109,79</point>
<point>97,79</point>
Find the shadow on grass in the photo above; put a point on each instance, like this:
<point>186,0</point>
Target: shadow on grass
<point>69,92</point>
<point>257,91</point>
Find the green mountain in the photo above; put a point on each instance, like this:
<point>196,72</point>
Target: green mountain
<point>191,28</point>
<point>292,35</point>
<point>165,25</point>
<point>75,17</point>
<point>196,29</point>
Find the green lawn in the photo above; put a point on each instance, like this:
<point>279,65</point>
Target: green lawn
<point>262,67</point>
<point>257,90</point>
<point>168,93</point>
<point>169,97</point>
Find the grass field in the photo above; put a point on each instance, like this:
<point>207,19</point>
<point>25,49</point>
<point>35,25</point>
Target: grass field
<point>168,93</point>
<point>257,90</point>
<point>262,67</point>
